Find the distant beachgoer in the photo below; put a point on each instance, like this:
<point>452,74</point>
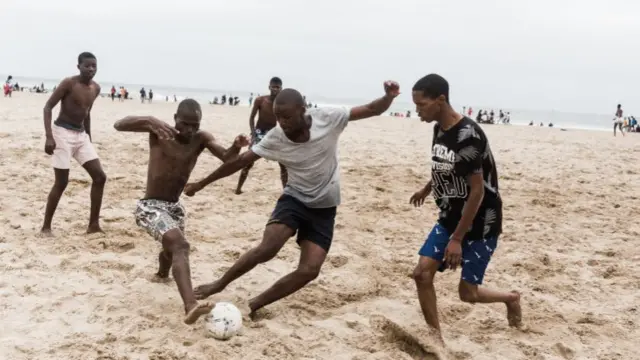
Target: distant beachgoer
<point>143,95</point>
<point>306,142</point>
<point>113,93</point>
<point>618,121</point>
<point>464,182</point>
<point>150,95</point>
<point>174,152</point>
<point>70,137</point>
<point>263,107</point>
<point>8,86</point>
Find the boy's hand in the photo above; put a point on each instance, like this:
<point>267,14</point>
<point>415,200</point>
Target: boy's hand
<point>192,188</point>
<point>49,146</point>
<point>241,141</point>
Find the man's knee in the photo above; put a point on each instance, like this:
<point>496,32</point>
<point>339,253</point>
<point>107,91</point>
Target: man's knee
<point>308,272</point>
<point>174,242</point>
<point>468,292</point>
<point>266,251</point>
<point>61,179</point>
<point>99,178</point>
<point>60,184</point>
<point>274,237</point>
<point>423,275</point>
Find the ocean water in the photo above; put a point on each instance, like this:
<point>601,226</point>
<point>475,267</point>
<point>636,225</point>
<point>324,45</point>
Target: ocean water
<point>518,116</point>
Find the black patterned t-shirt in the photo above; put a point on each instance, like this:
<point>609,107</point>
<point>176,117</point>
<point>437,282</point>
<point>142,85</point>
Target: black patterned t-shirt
<point>455,154</point>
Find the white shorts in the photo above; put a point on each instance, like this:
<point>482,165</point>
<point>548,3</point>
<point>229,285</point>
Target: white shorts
<point>71,144</point>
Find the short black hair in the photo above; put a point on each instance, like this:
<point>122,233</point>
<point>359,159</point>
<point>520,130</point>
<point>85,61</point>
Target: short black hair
<point>276,81</point>
<point>432,86</point>
<point>189,107</point>
<point>85,55</point>
<point>289,97</point>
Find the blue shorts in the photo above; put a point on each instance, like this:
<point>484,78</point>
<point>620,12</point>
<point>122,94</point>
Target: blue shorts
<point>476,254</point>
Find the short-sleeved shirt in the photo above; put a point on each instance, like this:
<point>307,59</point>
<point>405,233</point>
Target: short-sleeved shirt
<point>457,153</point>
<point>312,166</point>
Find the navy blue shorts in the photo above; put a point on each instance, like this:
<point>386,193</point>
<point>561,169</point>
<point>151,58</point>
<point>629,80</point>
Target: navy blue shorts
<point>476,254</point>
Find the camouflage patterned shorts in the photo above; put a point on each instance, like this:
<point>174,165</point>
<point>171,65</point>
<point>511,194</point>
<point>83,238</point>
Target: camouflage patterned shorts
<point>158,216</point>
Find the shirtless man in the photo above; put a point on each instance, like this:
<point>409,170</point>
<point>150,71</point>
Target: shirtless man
<point>306,143</point>
<point>618,120</point>
<point>70,137</point>
<point>173,155</point>
<point>263,106</point>
<point>464,182</point>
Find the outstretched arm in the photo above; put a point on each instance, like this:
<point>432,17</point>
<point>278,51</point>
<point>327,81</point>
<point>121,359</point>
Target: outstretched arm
<point>135,123</point>
<point>378,106</point>
<point>220,152</point>
<point>54,99</point>
<point>146,124</point>
<point>226,169</point>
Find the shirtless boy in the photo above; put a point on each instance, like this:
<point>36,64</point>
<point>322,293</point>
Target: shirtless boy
<point>263,106</point>
<point>618,120</point>
<point>70,137</point>
<point>306,143</point>
<point>173,154</point>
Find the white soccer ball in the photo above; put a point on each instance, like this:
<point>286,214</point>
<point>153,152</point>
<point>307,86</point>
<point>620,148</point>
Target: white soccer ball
<point>224,321</point>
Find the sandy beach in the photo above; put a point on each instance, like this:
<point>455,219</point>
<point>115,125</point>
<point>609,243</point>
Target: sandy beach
<point>570,245</point>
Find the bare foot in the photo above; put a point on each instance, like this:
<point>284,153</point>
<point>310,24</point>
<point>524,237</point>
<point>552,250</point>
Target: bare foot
<point>94,228</point>
<point>261,314</point>
<point>206,290</point>
<point>197,310</point>
<point>156,278</point>
<point>238,192</point>
<point>46,232</point>
<point>514,312</point>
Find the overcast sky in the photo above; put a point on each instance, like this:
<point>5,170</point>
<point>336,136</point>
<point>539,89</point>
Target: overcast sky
<point>565,54</point>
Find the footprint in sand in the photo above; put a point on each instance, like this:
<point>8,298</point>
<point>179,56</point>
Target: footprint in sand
<point>564,351</point>
<point>338,261</point>
<point>407,342</point>
<point>117,246</point>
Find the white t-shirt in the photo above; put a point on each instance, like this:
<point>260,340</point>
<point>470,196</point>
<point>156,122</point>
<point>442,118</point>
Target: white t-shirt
<point>314,173</point>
